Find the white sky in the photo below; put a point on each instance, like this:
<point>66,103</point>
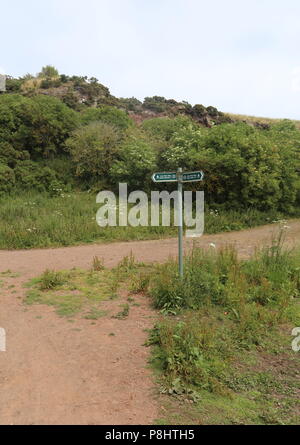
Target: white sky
<point>241,56</point>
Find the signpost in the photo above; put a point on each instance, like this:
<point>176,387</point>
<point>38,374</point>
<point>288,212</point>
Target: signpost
<point>180,178</point>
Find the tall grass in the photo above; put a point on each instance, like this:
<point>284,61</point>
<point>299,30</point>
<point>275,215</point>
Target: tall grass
<point>38,220</point>
<point>223,306</point>
<point>220,278</point>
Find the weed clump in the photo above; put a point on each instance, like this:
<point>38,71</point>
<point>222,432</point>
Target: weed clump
<point>98,264</point>
<point>124,313</point>
<point>51,279</point>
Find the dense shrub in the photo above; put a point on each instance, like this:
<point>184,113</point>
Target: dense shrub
<point>94,149</point>
<point>13,85</point>
<point>253,166</point>
<point>244,166</point>
<point>212,111</point>
<point>94,92</point>
<point>163,128</point>
<point>155,103</point>
<point>38,125</point>
<point>131,104</point>
<point>10,156</point>
<point>72,100</point>
<point>108,115</point>
<point>48,72</point>
<point>30,175</point>
<point>253,169</point>
<point>7,178</point>
<point>136,163</point>
<point>199,110</point>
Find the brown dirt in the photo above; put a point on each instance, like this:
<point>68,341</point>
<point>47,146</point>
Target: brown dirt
<point>57,372</point>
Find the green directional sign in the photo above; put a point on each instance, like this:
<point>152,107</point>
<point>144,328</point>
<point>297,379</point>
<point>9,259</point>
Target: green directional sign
<point>174,177</point>
<point>165,177</point>
<point>180,178</point>
<point>192,176</point>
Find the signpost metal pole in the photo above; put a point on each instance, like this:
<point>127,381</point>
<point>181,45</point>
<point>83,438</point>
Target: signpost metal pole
<point>180,223</point>
<point>180,178</point>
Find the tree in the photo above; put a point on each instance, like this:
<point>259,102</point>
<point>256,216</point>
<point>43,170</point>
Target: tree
<point>48,72</point>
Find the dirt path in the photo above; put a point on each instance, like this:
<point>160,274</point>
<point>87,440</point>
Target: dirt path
<point>57,372</point>
<point>33,262</point>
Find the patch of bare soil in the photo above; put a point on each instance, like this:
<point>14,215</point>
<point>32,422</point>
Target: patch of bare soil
<point>57,371</point>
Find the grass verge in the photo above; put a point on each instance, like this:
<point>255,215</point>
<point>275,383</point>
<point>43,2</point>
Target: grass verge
<point>37,220</point>
<point>222,350</point>
<point>81,292</point>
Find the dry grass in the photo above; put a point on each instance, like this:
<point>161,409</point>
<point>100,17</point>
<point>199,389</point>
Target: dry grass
<point>260,120</point>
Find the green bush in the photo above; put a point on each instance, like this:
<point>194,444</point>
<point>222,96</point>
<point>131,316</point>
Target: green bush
<point>10,156</point>
<point>212,111</point>
<point>38,125</point>
<point>131,104</point>
<point>108,115</point>
<point>13,85</point>
<point>155,103</point>
<point>31,176</point>
<point>244,167</point>
<point>94,149</point>
<point>48,72</point>
<point>136,163</point>
<point>199,110</point>
<point>7,178</point>
<point>51,279</point>
<point>163,128</point>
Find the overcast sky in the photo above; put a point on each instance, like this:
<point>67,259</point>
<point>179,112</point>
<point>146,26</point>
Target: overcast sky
<point>241,56</point>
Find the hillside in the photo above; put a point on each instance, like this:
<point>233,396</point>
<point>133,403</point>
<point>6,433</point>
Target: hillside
<point>259,121</point>
<point>79,93</point>
<point>60,133</point>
